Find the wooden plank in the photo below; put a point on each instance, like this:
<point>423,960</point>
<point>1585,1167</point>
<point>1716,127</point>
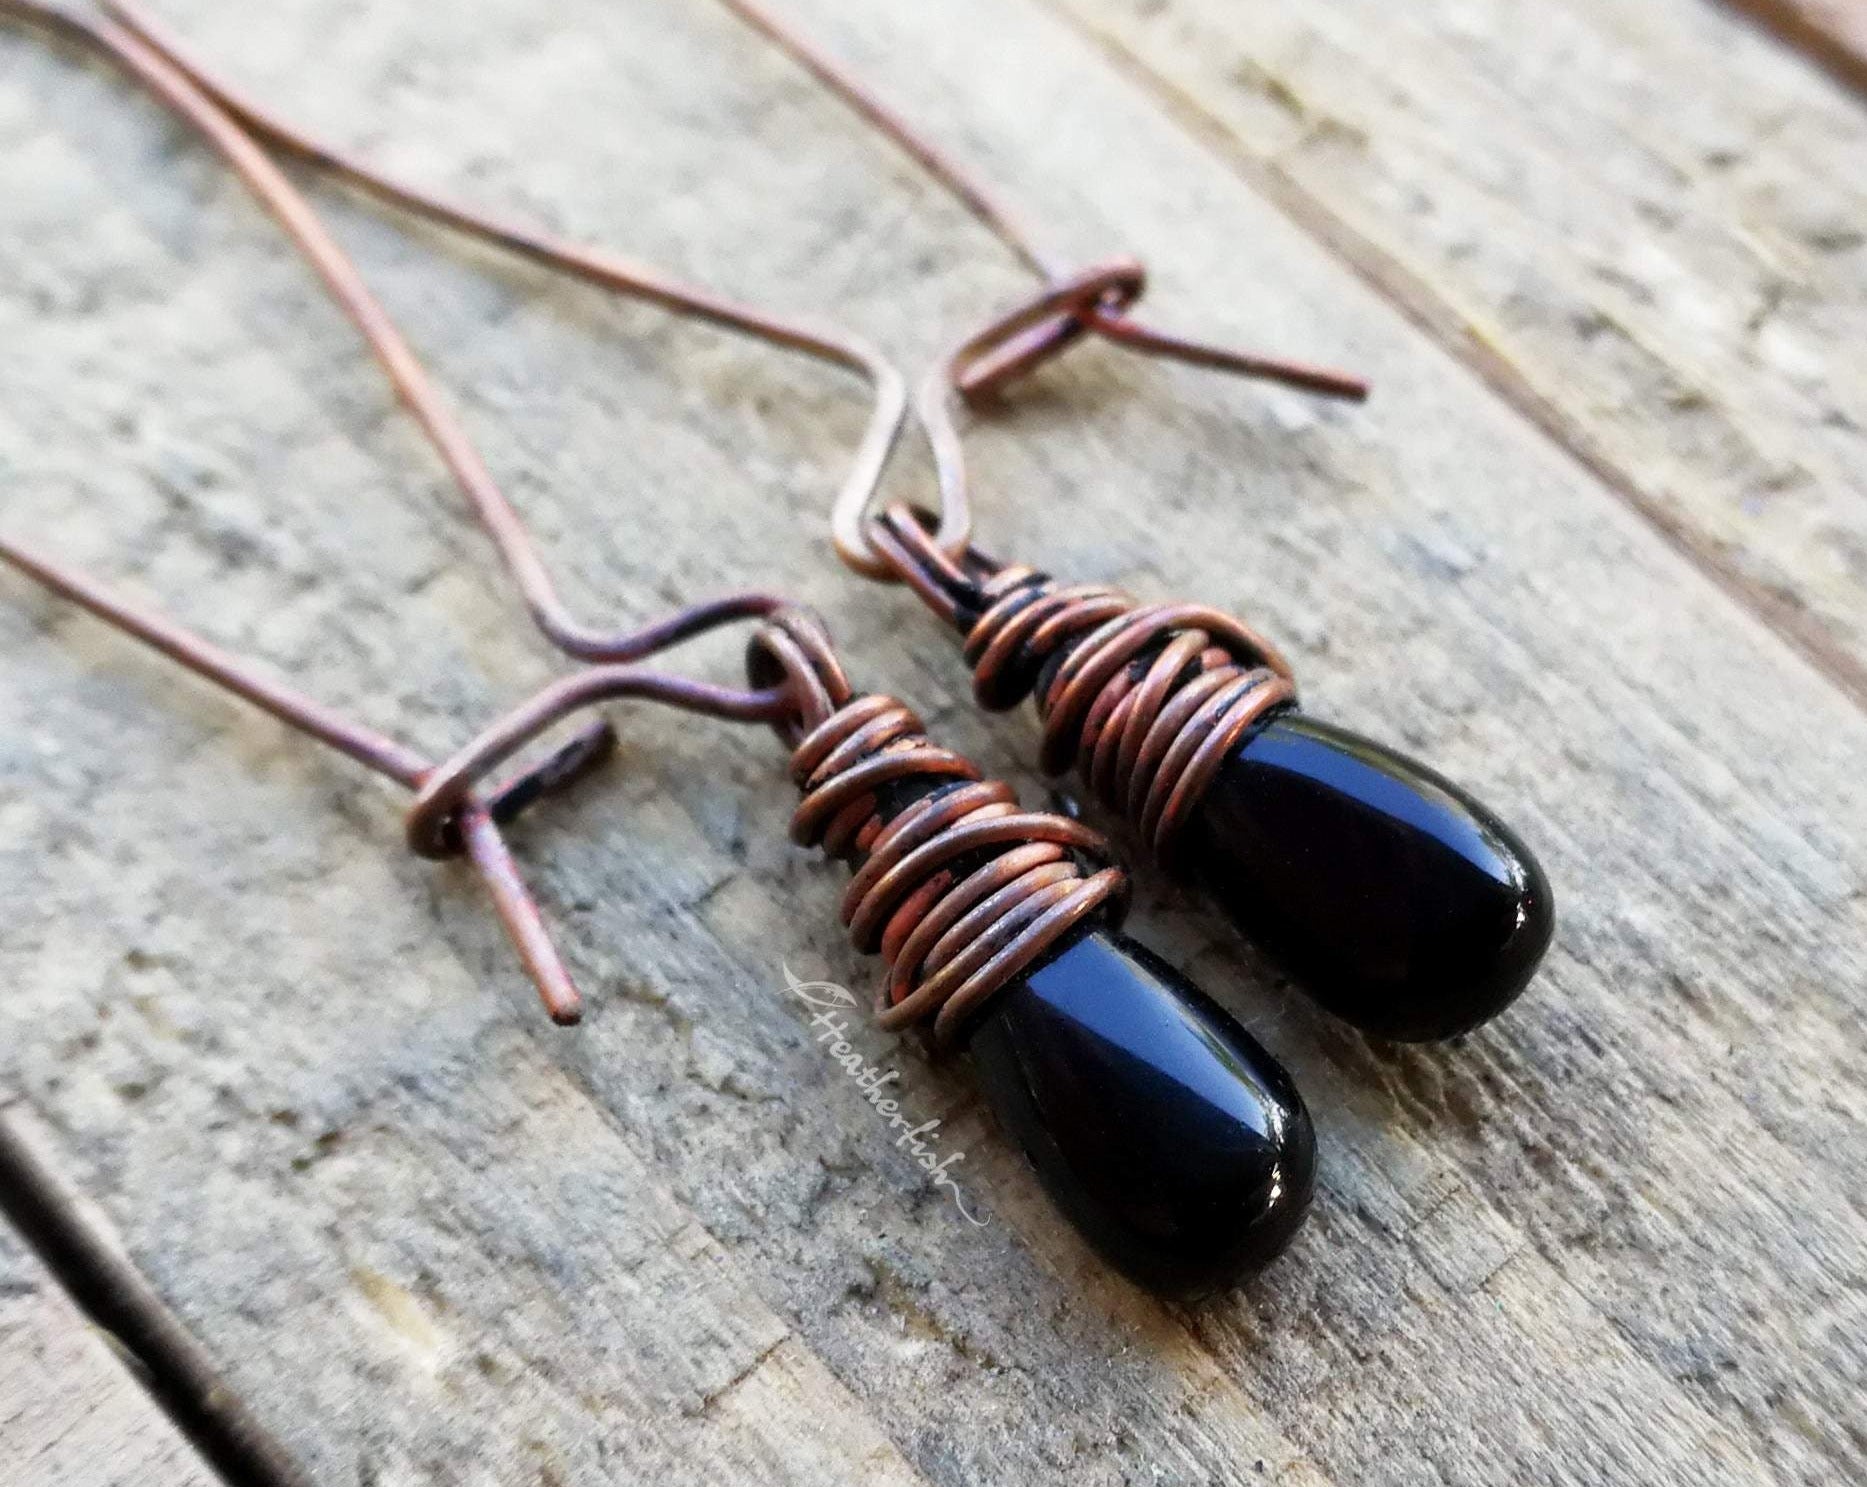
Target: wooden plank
<point>70,1413</point>
<point>422,1282</point>
<point>1664,274</point>
<point>435,1240</point>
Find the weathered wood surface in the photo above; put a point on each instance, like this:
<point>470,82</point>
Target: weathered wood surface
<point>74,1242</point>
<point>1645,225</point>
<point>1614,1237</point>
<point>70,1413</point>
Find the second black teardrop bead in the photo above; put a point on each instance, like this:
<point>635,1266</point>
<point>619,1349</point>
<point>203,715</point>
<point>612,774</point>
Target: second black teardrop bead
<point>1178,1146</point>
<point>1399,902</point>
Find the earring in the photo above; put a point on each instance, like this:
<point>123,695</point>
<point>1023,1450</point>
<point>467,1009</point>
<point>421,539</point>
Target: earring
<point>1396,900</point>
<point>1176,1143</point>
<point>1393,897</point>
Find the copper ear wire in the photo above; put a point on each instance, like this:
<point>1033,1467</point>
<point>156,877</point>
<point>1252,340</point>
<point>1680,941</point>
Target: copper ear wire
<point>1072,302</point>
<point>605,270</point>
<point>453,814</point>
<point>955,886</point>
<point>958,889</point>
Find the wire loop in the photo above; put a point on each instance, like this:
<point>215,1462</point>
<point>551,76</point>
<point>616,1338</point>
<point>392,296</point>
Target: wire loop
<point>1145,699</point>
<point>959,889</point>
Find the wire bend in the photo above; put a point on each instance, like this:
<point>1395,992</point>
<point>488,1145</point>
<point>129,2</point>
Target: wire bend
<point>1071,303</point>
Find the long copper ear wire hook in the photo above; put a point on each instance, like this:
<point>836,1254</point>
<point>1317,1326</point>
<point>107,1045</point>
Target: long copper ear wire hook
<point>952,940</point>
<point>904,901</point>
<point>605,270</point>
<point>452,814</point>
<point>1072,303</point>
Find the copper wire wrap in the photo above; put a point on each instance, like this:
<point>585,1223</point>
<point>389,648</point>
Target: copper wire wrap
<point>1146,699</point>
<point>958,888</point>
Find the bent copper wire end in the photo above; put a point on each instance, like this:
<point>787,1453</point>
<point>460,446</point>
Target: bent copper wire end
<point>451,817</point>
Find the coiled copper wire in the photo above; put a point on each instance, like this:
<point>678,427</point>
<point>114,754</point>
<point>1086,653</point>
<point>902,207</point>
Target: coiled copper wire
<point>956,886</point>
<point>1146,699</point>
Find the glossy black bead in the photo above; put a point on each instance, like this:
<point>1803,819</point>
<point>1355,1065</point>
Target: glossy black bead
<point>1178,1146</point>
<point>1396,900</point>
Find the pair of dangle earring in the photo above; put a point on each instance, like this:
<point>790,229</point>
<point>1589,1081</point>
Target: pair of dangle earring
<point>1162,1128</point>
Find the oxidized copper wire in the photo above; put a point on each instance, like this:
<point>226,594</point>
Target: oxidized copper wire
<point>1147,699</point>
<point>452,814</point>
<point>958,888</point>
<point>1072,302</point>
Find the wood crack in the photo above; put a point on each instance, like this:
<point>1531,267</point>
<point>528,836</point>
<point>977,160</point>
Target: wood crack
<point>161,1354</point>
<point>714,1396</point>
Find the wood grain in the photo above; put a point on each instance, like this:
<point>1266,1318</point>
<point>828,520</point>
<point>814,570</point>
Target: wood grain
<point>1613,1237</point>
<point>1640,224</point>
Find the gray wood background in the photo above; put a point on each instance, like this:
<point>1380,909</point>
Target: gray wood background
<point>1597,548</point>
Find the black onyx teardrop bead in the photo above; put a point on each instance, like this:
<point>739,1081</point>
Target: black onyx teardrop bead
<point>1178,1146</point>
<point>1399,902</point>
